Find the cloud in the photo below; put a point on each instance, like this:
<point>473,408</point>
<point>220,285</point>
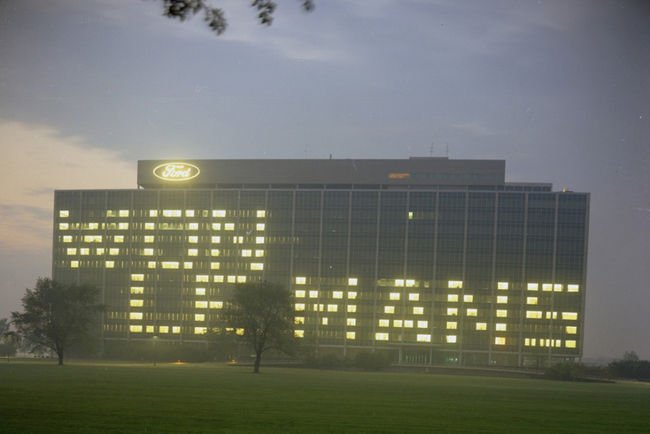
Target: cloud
<point>38,159</point>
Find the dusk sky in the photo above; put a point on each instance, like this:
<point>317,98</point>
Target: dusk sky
<point>558,89</point>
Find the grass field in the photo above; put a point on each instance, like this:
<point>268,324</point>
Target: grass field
<point>121,398</point>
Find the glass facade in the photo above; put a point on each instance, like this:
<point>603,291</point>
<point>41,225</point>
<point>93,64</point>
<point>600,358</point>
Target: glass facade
<point>471,276</point>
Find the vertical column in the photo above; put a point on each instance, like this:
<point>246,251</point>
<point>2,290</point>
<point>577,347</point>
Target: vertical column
<point>492,299</point>
<point>434,282</point>
<point>461,317</point>
<point>552,320</point>
<point>376,278</point>
<point>524,286</point>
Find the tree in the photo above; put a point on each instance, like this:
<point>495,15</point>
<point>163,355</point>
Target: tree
<point>215,17</point>
<point>8,339</point>
<point>56,315</point>
<point>263,314</point>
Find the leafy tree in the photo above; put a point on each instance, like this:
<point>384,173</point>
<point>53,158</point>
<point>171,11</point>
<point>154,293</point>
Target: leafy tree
<point>215,17</point>
<point>8,339</point>
<point>630,356</point>
<point>56,315</point>
<point>263,315</point>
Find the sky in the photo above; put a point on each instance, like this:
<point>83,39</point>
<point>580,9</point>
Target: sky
<point>560,90</point>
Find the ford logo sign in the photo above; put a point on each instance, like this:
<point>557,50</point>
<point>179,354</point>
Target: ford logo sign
<point>176,171</point>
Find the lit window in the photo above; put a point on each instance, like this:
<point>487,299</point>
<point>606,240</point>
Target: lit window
<point>260,226</point>
<point>176,330</point>
<point>171,213</point>
<point>216,305</point>
<point>534,314</point>
<point>423,338</point>
<point>118,238</point>
<point>147,252</point>
<point>135,315</point>
<point>67,238</point>
<point>232,279</point>
<point>64,226</point>
<point>193,226</point>
<point>557,287</point>
<point>92,238</point>
<point>332,307</point>
<point>215,239</point>
<point>410,283</point>
<point>149,226</point>
<point>135,329</point>
<point>229,226</point>
<point>201,304</point>
<point>550,315</point>
<point>64,213</point>
<point>163,329</point>
<point>170,265</point>
<point>350,335</point>
<point>410,215</point>
<point>202,278</point>
<point>481,326</point>
<point>531,300</point>
<point>74,264</point>
<point>257,266</point>
<point>218,278</point>
<point>472,312</point>
<point>301,280</point>
<point>238,240</point>
<point>450,339</point>
<point>299,333</point>
<point>381,336</point>
<point>571,316</point>
<point>337,294</point>
<point>215,265</point>
<point>300,293</point>
<point>468,298</point>
<point>351,322</point>
<point>216,226</point>
<point>533,286</point>
<point>192,252</point>
<point>241,279</point>
<point>113,251</point>
<point>451,325</point>
<point>324,321</point>
<point>352,308</point>
<point>93,225</point>
<point>123,213</point>
<point>408,323</point>
<point>502,313</point>
<point>259,240</point>
<point>452,311</point>
<point>570,344</point>
<point>137,277</point>
<point>188,265</point>
<point>153,213</point>
<point>98,251</point>
<point>572,287</point>
<point>571,330</point>
<point>122,226</point>
<point>148,239</point>
<point>418,310</point>
<point>137,290</point>
<point>352,295</point>
<point>299,307</point>
<point>397,323</point>
<point>399,282</point>
<point>423,324</point>
<point>455,284</point>
<point>261,213</point>
<point>110,264</point>
<point>199,317</point>
<point>313,294</point>
<point>189,213</point>
<point>71,251</point>
<point>499,340</point>
<point>259,253</point>
<point>218,213</point>
<point>200,330</point>
<point>502,299</point>
<point>352,281</point>
<point>502,285</point>
<point>452,297</point>
<point>149,329</point>
<point>501,327</point>
<point>299,320</point>
<point>389,309</point>
<point>136,303</point>
<point>199,291</point>
<point>151,264</point>
<point>246,253</point>
<point>394,296</point>
<point>215,252</point>
<point>547,287</point>
<point>414,296</point>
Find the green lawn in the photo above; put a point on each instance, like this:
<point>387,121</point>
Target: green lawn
<point>119,398</point>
